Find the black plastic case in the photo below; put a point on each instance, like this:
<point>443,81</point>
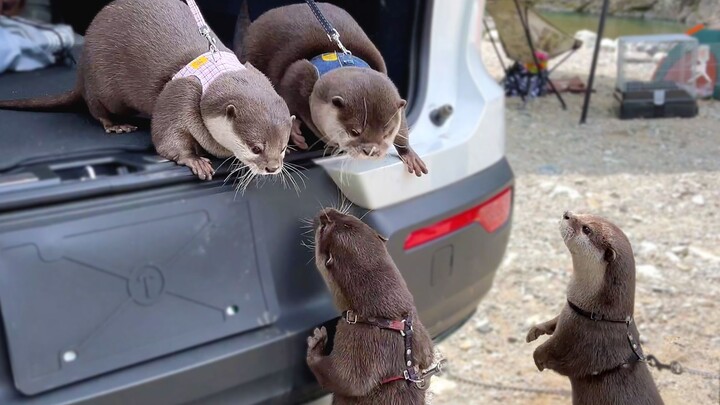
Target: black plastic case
<point>655,100</point>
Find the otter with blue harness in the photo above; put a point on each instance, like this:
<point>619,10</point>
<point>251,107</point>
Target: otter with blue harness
<point>339,89</point>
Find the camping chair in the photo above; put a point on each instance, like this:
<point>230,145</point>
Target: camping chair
<point>530,41</point>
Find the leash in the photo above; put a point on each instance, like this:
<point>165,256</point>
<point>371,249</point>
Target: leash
<point>411,374</point>
<point>202,26</point>
<point>331,32</point>
<point>211,64</point>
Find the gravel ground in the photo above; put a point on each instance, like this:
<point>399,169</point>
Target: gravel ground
<point>656,179</point>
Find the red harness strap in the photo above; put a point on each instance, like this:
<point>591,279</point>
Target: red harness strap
<point>404,327</point>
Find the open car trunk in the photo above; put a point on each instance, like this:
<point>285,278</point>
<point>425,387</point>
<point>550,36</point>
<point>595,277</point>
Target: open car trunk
<point>29,139</point>
<point>122,272</point>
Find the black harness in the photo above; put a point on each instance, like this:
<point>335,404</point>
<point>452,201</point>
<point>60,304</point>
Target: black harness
<point>637,353</point>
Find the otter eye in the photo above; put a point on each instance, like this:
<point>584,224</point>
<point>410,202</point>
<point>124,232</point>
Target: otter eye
<point>355,132</point>
<point>586,230</point>
<point>256,150</point>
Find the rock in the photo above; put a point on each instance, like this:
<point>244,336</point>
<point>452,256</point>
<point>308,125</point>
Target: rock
<point>512,339</point>
<point>698,200</point>
<point>466,345</point>
<point>672,257</point>
<point>703,254</point>
<point>587,37</point>
<point>439,385</point>
<point>680,251</point>
<point>483,326</point>
<point>684,267</point>
<point>649,271</point>
<point>565,190</point>
<point>647,248</point>
<point>608,45</point>
<point>549,170</point>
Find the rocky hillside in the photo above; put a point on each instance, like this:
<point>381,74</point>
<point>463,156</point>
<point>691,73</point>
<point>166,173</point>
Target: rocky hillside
<point>690,11</point>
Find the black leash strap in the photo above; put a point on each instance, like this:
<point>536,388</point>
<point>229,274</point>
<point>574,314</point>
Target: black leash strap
<point>331,32</point>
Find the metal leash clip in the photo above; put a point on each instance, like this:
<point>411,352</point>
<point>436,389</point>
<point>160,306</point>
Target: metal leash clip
<point>436,369</point>
<point>205,32</point>
<point>674,367</point>
<point>335,37</point>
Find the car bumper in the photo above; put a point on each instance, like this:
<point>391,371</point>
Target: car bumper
<point>448,277</point>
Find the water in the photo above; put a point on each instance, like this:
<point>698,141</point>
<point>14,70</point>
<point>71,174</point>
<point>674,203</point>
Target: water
<point>614,26</point>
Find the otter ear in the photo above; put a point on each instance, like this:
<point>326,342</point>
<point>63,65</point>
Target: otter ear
<point>402,104</point>
<point>382,238</point>
<point>230,111</point>
<point>338,102</point>
<point>610,255</point>
<point>292,118</point>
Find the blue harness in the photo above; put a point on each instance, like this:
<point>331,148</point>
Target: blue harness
<point>330,61</point>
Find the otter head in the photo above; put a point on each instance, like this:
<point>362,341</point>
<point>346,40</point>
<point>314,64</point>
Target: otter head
<point>353,260</point>
<point>359,110</point>
<point>603,264</point>
<point>245,115</point>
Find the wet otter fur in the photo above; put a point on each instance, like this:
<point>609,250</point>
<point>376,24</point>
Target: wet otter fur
<point>597,355</point>
<point>132,50</point>
<point>356,266</point>
<point>358,110</point>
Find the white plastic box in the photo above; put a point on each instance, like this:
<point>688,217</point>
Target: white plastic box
<point>657,62</point>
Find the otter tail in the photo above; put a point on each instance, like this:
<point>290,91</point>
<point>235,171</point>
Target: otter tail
<point>241,28</point>
<point>68,101</point>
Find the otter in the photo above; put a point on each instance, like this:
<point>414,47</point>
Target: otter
<point>370,354</point>
<point>594,341</point>
<point>131,62</point>
<point>347,100</point>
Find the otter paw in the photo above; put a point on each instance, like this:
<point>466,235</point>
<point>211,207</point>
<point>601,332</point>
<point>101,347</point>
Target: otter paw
<point>540,360</point>
<point>200,167</point>
<point>120,129</point>
<point>316,343</point>
<point>534,333</point>
<point>296,135</point>
<point>413,163</point>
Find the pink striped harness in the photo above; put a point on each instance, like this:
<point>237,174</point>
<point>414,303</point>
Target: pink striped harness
<point>210,65</point>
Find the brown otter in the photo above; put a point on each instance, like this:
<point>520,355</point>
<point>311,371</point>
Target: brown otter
<point>133,48</point>
<point>357,109</point>
<point>594,340</point>
<point>367,362</point>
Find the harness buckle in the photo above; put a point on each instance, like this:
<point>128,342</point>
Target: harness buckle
<point>351,317</point>
<point>406,375</point>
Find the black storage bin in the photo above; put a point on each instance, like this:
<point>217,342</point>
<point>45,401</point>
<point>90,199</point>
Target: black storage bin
<point>655,100</point>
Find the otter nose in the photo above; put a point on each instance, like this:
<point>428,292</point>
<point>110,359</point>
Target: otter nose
<point>567,215</point>
<point>272,169</point>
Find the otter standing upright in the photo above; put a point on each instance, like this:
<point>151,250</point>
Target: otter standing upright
<point>346,100</point>
<point>594,340</point>
<point>148,57</point>
<point>381,348</point>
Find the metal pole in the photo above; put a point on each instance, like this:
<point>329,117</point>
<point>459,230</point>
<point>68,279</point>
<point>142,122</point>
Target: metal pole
<point>591,79</point>
<point>528,36</point>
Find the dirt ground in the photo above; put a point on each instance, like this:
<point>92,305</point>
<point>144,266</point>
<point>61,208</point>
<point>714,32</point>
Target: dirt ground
<point>659,180</point>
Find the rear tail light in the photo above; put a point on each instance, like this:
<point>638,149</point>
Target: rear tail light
<point>491,215</point>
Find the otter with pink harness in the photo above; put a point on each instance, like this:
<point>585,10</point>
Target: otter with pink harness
<point>159,58</point>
